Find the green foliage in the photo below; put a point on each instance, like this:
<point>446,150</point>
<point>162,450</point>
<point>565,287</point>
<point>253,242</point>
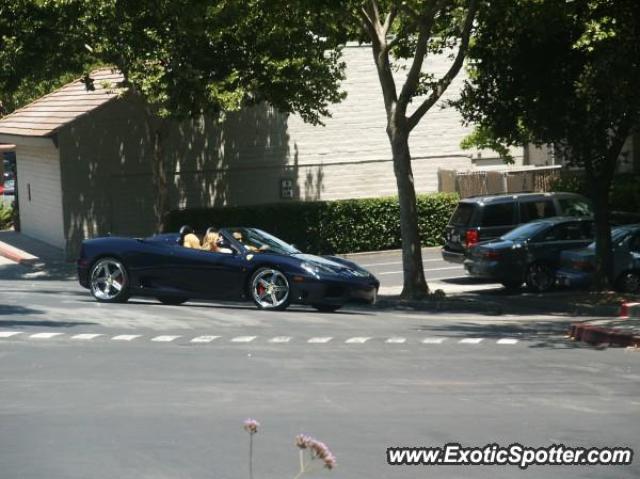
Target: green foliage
<point>482,137</point>
<point>6,216</point>
<point>183,57</point>
<point>624,195</point>
<point>329,227</point>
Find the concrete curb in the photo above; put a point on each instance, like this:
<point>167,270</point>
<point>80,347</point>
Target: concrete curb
<point>451,305</point>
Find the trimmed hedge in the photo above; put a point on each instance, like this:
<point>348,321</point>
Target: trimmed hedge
<point>324,227</point>
<point>625,190</point>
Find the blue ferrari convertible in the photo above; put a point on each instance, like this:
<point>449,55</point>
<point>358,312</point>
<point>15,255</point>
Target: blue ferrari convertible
<point>251,264</point>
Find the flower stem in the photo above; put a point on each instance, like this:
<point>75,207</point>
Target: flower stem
<point>250,456</point>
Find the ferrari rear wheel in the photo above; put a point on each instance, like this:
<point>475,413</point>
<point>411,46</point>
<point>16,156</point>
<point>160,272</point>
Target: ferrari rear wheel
<point>172,300</point>
<point>270,289</point>
<point>327,308</point>
<point>109,281</point>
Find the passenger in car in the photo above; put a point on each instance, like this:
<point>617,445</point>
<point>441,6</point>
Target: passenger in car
<point>187,238</point>
<point>212,241</point>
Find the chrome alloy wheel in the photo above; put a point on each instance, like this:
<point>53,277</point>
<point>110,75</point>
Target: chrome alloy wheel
<point>108,280</point>
<point>539,278</point>
<point>270,289</point>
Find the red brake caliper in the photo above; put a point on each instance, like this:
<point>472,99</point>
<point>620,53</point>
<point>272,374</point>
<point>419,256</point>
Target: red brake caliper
<point>261,289</point>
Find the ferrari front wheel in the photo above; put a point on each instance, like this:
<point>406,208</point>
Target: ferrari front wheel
<point>109,281</point>
<point>270,289</point>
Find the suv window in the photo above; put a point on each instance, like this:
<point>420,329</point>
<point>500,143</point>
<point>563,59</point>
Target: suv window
<point>500,214</point>
<point>462,214</point>
<point>536,210</point>
<point>575,207</point>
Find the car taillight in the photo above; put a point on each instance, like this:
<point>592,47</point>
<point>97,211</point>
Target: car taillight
<point>491,255</point>
<point>470,238</point>
<point>582,265</point>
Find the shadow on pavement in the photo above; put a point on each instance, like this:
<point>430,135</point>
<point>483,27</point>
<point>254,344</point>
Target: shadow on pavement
<point>8,309</point>
<point>58,271</point>
<point>44,324</point>
<point>539,334</point>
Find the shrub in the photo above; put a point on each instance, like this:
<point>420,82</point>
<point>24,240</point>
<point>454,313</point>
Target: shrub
<point>6,216</point>
<point>322,227</point>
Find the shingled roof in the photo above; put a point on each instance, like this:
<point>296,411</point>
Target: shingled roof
<point>61,107</point>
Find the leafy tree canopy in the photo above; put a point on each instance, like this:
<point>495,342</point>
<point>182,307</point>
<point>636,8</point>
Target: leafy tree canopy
<point>182,56</point>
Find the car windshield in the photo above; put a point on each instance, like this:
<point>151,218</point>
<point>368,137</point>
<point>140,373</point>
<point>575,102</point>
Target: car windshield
<point>617,235</point>
<point>257,240</point>
<point>525,231</point>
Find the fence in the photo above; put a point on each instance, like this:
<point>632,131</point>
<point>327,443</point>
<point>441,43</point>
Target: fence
<point>490,182</point>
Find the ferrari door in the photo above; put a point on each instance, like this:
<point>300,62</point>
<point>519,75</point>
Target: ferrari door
<point>207,274</point>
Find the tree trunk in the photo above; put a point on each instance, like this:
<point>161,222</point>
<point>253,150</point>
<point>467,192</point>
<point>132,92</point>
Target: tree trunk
<point>415,285</point>
<point>603,277</point>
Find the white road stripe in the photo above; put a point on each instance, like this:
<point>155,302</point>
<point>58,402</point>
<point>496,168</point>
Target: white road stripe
<point>426,270</point>
<point>470,341</point>
<point>320,340</point>
<point>357,340</point>
<point>507,341</point>
<point>45,335</point>
<point>243,339</point>
<point>8,334</point>
<point>125,337</point>
<point>433,340</point>
<point>86,336</point>
<point>164,339</point>
<point>396,340</point>
<point>204,339</point>
<point>399,263</point>
<point>280,339</point>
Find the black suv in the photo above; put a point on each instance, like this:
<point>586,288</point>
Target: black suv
<point>481,218</point>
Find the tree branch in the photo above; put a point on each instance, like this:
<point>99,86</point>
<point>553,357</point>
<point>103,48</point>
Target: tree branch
<point>445,81</point>
<point>388,21</point>
<point>413,77</point>
<point>371,19</point>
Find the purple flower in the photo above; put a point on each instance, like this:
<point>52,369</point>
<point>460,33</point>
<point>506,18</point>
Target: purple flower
<point>251,426</point>
<point>317,449</point>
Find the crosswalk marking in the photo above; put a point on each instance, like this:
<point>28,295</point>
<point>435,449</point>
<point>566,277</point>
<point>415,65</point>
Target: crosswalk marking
<point>243,339</point>
<point>45,335</point>
<point>280,339</point>
<point>357,340</point>
<point>272,340</point>
<point>8,334</point>
<point>204,339</point>
<point>85,336</point>
<point>125,337</point>
<point>164,339</point>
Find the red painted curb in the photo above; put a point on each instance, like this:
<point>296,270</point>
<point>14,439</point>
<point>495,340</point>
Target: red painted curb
<point>626,308</point>
<point>587,333</point>
<point>14,255</point>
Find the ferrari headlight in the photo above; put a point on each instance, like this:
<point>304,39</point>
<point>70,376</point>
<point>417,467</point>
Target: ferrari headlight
<point>315,268</point>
